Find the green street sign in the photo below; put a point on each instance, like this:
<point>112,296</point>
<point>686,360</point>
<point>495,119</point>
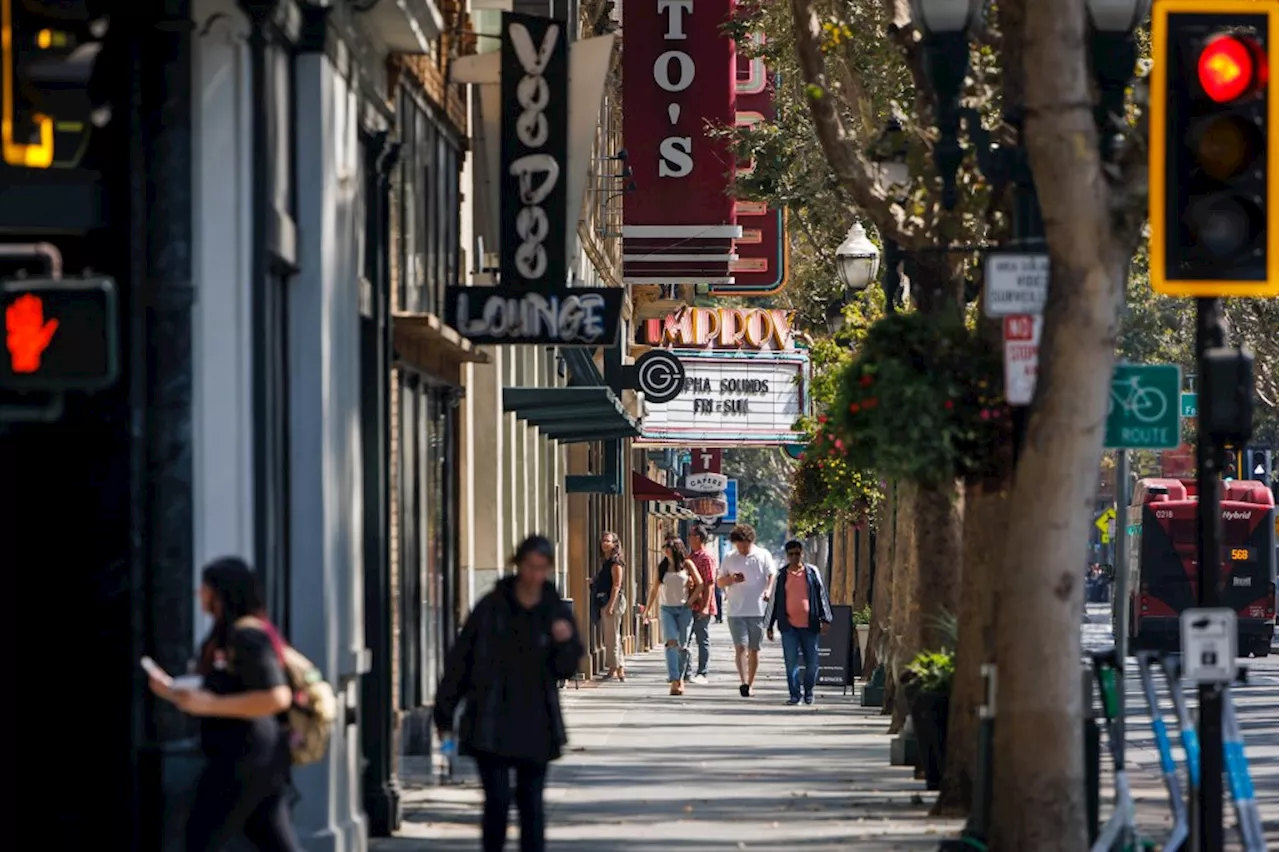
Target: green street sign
<point>1190,405</point>
<point>1144,407</point>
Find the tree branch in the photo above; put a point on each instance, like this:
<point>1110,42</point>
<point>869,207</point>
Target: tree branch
<point>839,149</point>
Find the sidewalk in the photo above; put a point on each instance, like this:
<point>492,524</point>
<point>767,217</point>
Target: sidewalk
<point>710,770</point>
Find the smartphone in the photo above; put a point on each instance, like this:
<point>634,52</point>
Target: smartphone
<point>152,668</point>
<point>740,577</point>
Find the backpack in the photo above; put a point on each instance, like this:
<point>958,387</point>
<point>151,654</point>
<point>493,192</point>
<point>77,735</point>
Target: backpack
<point>315,706</point>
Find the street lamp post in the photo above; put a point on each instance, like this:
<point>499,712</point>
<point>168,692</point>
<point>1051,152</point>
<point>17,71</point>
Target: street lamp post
<point>857,261</point>
<point>945,25</point>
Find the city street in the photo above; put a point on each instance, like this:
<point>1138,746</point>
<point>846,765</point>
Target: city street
<point>714,771</point>
<point>709,771</point>
<point>1255,702</point>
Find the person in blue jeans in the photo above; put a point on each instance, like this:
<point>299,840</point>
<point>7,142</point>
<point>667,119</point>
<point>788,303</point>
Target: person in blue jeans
<point>802,611</point>
<point>677,585</point>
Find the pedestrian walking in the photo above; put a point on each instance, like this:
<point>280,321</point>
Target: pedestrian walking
<point>705,608</point>
<point>610,604</point>
<point>503,670</point>
<point>678,586</point>
<point>241,701</point>
<point>746,575</point>
<point>801,610</point>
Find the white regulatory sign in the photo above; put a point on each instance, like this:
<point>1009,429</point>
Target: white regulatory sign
<point>1208,645</point>
<point>1015,284</point>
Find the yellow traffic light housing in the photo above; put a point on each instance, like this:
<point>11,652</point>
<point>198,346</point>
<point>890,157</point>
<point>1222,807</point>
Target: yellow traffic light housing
<point>1214,190</point>
<point>48,58</point>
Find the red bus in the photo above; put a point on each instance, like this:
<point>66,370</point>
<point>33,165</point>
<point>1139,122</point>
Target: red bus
<point>1163,563</point>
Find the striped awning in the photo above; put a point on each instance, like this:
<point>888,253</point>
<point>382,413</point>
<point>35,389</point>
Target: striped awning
<point>670,510</point>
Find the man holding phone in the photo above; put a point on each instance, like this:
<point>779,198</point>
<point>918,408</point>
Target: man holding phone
<point>746,575</point>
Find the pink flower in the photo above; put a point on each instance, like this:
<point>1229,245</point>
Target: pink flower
<point>947,405</point>
<point>822,418</point>
<point>839,444</point>
<point>986,415</point>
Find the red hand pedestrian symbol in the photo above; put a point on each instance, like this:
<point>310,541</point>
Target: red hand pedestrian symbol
<point>29,333</point>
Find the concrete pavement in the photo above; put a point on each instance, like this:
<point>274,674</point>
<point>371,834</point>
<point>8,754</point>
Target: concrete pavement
<point>708,771</point>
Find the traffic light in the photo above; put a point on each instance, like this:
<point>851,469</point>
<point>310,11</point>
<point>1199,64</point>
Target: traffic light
<point>58,334</point>
<point>1233,464</point>
<point>51,60</point>
<point>1258,465</point>
<point>1215,129</point>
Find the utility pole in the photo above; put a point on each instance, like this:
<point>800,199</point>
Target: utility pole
<point>1208,810</point>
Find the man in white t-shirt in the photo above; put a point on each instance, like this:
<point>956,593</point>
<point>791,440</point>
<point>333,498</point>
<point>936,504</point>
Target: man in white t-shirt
<point>746,575</point>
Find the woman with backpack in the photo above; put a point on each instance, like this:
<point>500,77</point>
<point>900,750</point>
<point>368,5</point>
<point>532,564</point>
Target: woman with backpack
<point>242,705</point>
<point>503,670</point>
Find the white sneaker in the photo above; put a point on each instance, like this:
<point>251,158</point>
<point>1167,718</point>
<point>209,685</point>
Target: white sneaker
<point>700,679</point>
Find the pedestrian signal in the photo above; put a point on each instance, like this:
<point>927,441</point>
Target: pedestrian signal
<point>58,334</point>
<point>1213,199</point>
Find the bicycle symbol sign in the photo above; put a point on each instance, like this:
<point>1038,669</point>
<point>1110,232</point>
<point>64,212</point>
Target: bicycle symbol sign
<point>1142,409</point>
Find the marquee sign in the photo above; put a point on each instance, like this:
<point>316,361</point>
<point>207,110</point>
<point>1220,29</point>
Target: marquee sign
<point>533,304</point>
<point>722,328</point>
<point>763,253</point>
<point>732,399</point>
<point>678,79</point>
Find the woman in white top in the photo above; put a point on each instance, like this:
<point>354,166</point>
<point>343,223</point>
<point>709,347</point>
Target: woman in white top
<point>678,582</point>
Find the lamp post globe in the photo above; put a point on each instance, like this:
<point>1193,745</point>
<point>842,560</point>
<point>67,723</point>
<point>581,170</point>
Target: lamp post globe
<point>946,17</point>
<point>1117,16</point>
<point>857,260</point>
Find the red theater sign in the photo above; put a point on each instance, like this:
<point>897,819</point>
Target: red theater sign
<point>722,328</point>
<point>679,72</point>
<point>762,251</point>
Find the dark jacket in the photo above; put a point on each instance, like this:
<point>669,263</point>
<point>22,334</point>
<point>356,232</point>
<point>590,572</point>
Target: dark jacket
<point>503,670</point>
<point>819,603</point>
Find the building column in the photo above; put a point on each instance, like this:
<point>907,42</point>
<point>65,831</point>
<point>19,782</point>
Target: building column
<point>326,509</point>
<point>381,785</point>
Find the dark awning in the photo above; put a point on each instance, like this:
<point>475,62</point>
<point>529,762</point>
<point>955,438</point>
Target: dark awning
<point>644,488</point>
<point>572,415</point>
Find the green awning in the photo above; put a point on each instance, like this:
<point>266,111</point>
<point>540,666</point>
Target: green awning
<point>572,415</point>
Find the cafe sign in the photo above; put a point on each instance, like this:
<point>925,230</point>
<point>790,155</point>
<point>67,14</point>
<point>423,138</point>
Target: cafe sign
<point>756,329</point>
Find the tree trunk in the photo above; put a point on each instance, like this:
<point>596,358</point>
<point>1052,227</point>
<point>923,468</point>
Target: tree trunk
<point>860,535</point>
<point>882,594</point>
<point>985,514</point>
<point>1039,754</point>
<point>939,533</point>
<point>904,623</point>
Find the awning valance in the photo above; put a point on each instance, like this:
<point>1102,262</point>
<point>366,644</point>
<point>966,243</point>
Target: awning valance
<point>572,415</point>
<point>670,510</point>
<point>644,488</point>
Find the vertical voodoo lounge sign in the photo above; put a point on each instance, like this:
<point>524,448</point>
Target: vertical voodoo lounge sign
<point>533,303</point>
<point>678,79</point>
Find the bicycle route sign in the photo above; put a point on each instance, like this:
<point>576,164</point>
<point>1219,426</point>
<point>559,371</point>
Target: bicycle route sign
<point>1144,408</point>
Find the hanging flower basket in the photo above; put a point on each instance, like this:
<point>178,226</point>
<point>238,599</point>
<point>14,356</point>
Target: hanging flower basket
<point>922,402</point>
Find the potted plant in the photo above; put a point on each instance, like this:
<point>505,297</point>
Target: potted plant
<point>862,628</point>
<point>927,684</point>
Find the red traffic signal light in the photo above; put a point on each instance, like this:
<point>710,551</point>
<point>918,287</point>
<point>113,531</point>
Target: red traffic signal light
<point>1229,68</point>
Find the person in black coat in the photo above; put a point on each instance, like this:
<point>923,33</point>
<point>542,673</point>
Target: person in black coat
<point>518,643</point>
